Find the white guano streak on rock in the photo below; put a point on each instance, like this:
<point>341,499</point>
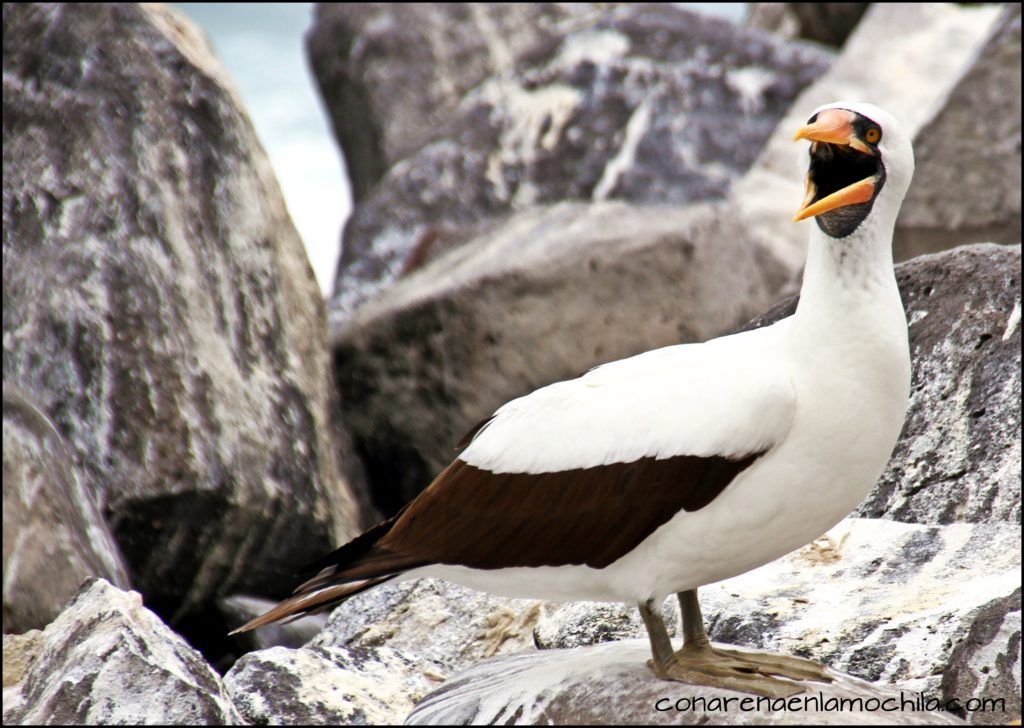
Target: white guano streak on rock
<point>599,47</point>
<point>1013,322</point>
<point>750,83</point>
<point>533,121</point>
<point>636,127</point>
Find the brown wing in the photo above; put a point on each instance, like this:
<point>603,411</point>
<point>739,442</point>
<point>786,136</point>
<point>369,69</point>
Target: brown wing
<point>476,518</point>
<point>589,516</point>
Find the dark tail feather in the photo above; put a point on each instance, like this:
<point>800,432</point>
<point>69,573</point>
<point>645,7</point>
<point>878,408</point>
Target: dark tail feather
<point>311,602</point>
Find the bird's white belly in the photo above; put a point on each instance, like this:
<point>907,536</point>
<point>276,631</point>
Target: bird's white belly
<point>828,463</point>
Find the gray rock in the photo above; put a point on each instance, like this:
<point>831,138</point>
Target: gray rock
<point>648,103</point>
<point>159,305</point>
<point>390,75</point>
<point>448,624</point>
<point>958,457</point>
<point>54,533</point>
<point>881,600</point>
<point>828,23</point>
<point>986,664</point>
<point>106,659</point>
<point>967,184</point>
<point>927,48</point>
<point>329,685</point>
<point>576,624</point>
<point>548,295</point>
<point>612,684</point>
<point>239,609</point>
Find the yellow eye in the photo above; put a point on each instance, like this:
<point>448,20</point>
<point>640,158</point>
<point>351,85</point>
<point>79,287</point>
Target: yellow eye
<point>873,135</point>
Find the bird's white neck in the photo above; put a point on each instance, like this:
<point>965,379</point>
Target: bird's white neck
<point>843,276</point>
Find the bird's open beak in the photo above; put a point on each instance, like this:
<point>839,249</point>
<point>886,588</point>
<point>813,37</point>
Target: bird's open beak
<point>833,126</point>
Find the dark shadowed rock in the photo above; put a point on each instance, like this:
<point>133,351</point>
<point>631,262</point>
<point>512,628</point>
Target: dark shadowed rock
<point>108,660</point>
<point>54,534</point>
<point>391,74</point>
<point>967,184</point>
<point>552,293</point>
<point>159,305</point>
<point>648,103</point>
<point>612,684</point>
<point>828,23</point>
<point>985,665</point>
<point>958,458</point>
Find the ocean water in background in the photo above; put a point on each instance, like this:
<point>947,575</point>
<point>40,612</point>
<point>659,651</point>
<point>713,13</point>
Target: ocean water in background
<point>263,48</point>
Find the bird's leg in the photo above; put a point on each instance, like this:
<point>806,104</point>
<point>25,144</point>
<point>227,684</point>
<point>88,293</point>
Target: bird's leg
<point>698,663</point>
<point>765,663</point>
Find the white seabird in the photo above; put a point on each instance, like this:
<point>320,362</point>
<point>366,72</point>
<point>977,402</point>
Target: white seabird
<point>690,464</point>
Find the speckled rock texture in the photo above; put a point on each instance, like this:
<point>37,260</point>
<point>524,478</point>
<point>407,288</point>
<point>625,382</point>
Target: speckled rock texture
<point>928,48</point>
<point>550,294</point>
<point>158,303</point>
<point>451,626</point>
<point>390,74</point>
<point>647,103</point>
<point>958,458</point>
<point>967,184</point>
<point>329,685</point>
<point>611,683</point>
<point>108,660</point>
<point>827,23</point>
<point>987,663</point>
<point>54,533</point>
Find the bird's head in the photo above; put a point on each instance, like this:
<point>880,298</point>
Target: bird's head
<point>861,161</point>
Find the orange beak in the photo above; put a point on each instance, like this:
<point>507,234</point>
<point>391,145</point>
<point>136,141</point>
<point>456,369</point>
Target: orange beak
<point>834,126</point>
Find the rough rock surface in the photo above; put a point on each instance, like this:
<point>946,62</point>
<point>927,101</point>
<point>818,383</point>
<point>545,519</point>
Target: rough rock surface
<point>986,665</point>
<point>54,534</point>
<point>547,296</point>
<point>391,75</point>
<point>575,624</point>
<point>958,457</point>
<point>828,23</point>
<point>106,659</point>
<point>329,685</point>
<point>967,183</point>
<point>448,624</point>
<point>611,683</point>
<point>881,600</point>
<point>927,50</point>
<point>158,302</point>
<point>648,103</point>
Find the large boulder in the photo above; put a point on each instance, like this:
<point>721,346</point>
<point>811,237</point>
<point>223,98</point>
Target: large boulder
<point>906,58</point>
<point>108,660</point>
<point>612,684</point>
<point>329,685</point>
<point>545,297</point>
<point>390,75</point>
<point>646,103</point>
<point>158,303</point>
<point>54,533</point>
<point>967,183</point>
